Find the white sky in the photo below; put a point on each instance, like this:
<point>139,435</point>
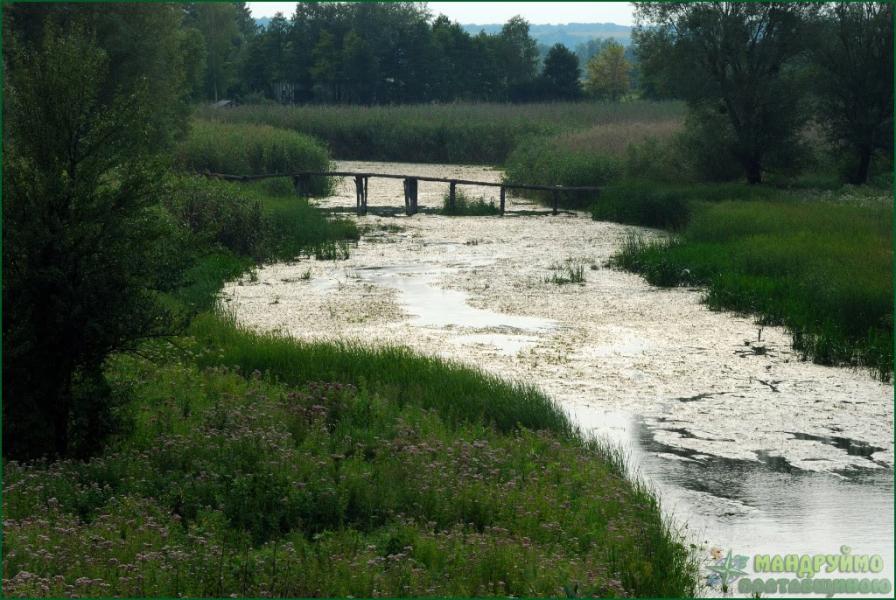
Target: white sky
<point>481,13</point>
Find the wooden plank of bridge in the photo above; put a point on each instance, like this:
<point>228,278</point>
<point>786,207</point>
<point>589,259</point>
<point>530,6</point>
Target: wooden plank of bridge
<point>452,195</point>
<point>503,196</point>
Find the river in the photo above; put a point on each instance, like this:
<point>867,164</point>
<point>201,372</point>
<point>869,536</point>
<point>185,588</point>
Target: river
<point>749,448</point>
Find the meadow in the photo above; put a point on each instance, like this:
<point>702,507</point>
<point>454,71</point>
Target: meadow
<point>257,465</point>
<point>478,133</point>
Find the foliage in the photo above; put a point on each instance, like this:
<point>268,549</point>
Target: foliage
<point>244,149</point>
<point>458,133</point>
<point>145,49</point>
<point>560,74</point>
<point>733,57</point>
<point>272,478</point>
<point>468,207</point>
<point>85,246</point>
<point>853,51</point>
<point>647,205</point>
<point>608,73</point>
<point>822,269</point>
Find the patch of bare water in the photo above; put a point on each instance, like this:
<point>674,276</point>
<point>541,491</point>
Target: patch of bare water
<point>756,450</point>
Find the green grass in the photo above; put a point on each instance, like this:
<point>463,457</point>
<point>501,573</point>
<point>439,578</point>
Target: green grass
<point>231,226</point>
<point>468,207</point>
<point>252,464</point>
<point>256,465</point>
<point>823,269</point>
<point>479,133</point>
<point>247,149</point>
<point>570,271</point>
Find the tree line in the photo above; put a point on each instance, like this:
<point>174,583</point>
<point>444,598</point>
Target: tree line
<point>761,77</point>
<point>383,53</point>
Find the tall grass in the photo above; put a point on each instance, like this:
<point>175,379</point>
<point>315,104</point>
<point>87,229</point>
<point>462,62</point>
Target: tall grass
<point>468,207</point>
<point>247,149</point>
<point>824,270</point>
<point>249,470</point>
<point>462,133</point>
<point>232,226</point>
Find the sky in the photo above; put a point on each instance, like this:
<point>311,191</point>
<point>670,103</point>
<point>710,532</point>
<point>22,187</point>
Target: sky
<point>481,13</point>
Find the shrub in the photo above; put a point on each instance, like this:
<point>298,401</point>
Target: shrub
<point>643,205</point>
<point>244,149</point>
<point>217,214</point>
<point>468,207</point>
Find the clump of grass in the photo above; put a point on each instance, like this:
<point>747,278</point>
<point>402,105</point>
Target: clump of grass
<point>468,207</point>
<point>568,272</point>
<point>821,269</point>
<point>330,250</point>
<point>246,149</point>
<point>271,478</point>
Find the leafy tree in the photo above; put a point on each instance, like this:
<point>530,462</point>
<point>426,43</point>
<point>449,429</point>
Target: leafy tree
<point>267,56</point>
<point>853,49</point>
<point>360,68</point>
<point>327,66</point>
<point>561,74</point>
<point>738,58</point>
<point>81,234</point>
<point>218,23</point>
<point>517,54</point>
<point>608,72</point>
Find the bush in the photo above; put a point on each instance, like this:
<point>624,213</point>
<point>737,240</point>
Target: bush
<point>542,161</point>
<point>645,205</point>
<point>244,149</point>
<point>217,214</point>
<point>468,207</point>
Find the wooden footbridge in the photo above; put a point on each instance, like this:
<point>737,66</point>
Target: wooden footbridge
<point>301,182</point>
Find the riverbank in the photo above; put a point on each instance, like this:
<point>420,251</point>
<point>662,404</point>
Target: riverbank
<point>257,465</point>
<point>721,415</point>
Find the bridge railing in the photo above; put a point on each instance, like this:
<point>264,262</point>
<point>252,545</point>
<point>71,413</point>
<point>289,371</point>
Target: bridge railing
<point>301,183</point>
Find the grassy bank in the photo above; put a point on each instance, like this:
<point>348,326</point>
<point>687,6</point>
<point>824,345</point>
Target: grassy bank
<point>451,133</point>
<point>256,465</point>
<point>819,264</point>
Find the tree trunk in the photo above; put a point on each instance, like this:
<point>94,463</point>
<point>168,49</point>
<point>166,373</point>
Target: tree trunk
<point>61,410</point>
<point>753,169</point>
<point>860,175</point>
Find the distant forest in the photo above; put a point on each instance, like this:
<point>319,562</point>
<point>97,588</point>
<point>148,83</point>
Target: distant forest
<point>386,53</point>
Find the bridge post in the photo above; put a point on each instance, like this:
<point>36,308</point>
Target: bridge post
<point>360,195</point>
<point>410,195</point>
<point>556,194</point>
<point>503,196</point>
<point>452,195</point>
<point>300,183</point>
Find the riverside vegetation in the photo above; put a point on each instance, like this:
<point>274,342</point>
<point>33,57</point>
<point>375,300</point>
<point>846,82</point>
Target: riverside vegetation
<point>195,458</point>
<point>258,465</point>
<point>151,447</point>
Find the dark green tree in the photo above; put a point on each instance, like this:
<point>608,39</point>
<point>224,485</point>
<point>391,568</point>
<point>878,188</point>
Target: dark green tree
<point>517,55</point>
<point>82,232</point>
<point>853,51</point>
<point>561,74</point>
<point>738,58</point>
